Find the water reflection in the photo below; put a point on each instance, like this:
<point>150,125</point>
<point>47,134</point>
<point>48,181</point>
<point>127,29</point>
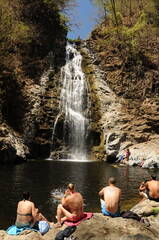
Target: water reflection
<point>43,177</point>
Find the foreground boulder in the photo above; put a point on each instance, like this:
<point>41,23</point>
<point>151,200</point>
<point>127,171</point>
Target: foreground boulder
<point>97,228</point>
<point>25,235</point>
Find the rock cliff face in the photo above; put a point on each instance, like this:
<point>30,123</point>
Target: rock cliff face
<point>28,86</point>
<point>124,98</point>
<point>124,111</point>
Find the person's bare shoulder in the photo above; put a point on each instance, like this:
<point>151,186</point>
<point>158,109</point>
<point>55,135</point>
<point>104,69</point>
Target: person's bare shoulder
<point>31,204</point>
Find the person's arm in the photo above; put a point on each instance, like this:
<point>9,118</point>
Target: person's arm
<point>64,201</point>
<point>146,186</point>
<point>34,211</point>
<point>142,187</point>
<point>101,193</point>
<point>120,196</point>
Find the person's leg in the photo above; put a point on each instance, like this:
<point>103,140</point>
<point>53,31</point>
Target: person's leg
<point>61,211</point>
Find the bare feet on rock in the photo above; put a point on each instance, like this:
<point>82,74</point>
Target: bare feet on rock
<point>57,225</point>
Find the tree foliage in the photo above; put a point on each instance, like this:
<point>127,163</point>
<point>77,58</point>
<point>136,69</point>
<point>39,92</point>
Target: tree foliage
<point>19,17</point>
<point>127,21</point>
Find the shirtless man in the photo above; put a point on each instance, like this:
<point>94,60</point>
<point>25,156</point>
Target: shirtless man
<point>70,189</point>
<point>27,214</point>
<point>110,199</point>
<point>70,209</point>
<point>152,188</point>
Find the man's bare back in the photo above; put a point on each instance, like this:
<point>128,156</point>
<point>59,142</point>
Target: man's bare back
<point>111,196</point>
<point>74,203</point>
<point>153,189</point>
<point>71,208</point>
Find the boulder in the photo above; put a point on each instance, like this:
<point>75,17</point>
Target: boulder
<point>12,147</point>
<point>98,227</point>
<point>146,208</point>
<point>25,235</point>
<point>145,154</point>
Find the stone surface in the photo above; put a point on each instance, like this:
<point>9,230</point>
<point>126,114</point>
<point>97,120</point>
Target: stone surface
<point>120,121</point>
<point>145,154</point>
<point>12,147</point>
<point>146,208</point>
<point>98,227</point>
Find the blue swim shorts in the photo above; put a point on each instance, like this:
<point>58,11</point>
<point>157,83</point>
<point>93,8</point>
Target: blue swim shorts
<point>106,213</point>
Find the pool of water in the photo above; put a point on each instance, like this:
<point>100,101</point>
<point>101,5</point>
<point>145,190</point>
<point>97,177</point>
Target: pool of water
<point>42,178</point>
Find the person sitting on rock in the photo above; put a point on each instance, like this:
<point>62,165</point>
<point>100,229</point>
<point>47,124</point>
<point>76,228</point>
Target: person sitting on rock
<point>27,214</point>
<point>110,199</point>
<point>152,188</point>
<point>71,208</point>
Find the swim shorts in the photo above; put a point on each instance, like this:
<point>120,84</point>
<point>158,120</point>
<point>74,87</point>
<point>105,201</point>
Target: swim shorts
<point>107,213</point>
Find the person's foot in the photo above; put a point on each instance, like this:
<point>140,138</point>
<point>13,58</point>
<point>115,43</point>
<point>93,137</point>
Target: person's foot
<point>57,225</point>
<point>51,224</point>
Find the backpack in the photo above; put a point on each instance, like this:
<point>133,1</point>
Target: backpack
<point>65,233</point>
<point>131,215</point>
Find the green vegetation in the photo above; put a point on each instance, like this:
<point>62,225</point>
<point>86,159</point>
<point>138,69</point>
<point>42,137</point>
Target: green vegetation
<point>155,211</point>
<point>126,42</point>
<point>126,22</point>
<point>29,31</point>
<point>21,21</point>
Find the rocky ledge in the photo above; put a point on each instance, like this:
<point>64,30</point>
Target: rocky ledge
<point>12,147</point>
<point>145,154</point>
<point>100,227</point>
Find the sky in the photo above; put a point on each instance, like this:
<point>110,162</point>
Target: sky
<point>85,16</point>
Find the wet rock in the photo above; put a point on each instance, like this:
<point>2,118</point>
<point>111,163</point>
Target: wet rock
<point>113,143</point>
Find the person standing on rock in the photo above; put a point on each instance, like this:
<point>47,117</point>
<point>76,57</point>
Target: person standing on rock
<point>152,189</point>
<point>127,154</point>
<point>110,199</point>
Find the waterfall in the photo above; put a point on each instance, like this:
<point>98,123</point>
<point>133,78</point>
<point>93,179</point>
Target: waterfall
<point>74,104</point>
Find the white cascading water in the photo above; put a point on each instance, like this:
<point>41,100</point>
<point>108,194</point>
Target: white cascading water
<point>74,104</point>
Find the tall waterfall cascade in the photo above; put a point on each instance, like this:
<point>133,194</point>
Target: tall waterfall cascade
<point>74,104</point>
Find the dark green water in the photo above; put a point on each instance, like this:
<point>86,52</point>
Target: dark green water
<point>43,177</point>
